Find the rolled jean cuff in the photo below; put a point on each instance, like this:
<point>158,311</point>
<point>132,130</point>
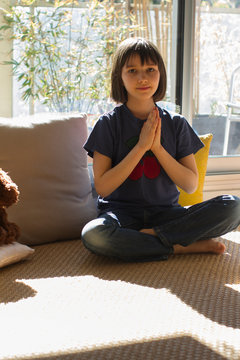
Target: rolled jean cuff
<point>163,239</point>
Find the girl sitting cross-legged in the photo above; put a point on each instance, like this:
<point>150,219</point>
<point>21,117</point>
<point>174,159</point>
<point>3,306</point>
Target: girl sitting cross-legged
<point>141,153</point>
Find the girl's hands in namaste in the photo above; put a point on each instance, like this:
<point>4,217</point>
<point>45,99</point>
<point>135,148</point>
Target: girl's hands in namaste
<point>157,139</point>
<point>149,130</point>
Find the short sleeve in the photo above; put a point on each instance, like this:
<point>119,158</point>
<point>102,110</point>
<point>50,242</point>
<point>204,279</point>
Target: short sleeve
<point>101,138</point>
<point>188,141</point>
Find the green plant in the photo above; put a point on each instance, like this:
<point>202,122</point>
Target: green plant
<point>62,50</point>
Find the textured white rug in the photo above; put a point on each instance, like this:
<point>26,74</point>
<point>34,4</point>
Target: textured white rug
<point>66,303</point>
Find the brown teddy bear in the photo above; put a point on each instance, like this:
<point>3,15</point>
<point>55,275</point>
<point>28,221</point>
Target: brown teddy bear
<point>9,194</point>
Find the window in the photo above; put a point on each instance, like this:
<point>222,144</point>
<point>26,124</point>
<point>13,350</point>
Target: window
<point>217,43</point>
<point>211,44</point>
<point>87,30</point>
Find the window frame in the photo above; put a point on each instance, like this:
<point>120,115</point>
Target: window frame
<point>6,91</point>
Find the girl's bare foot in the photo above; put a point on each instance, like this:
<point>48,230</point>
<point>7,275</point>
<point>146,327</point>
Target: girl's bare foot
<point>149,231</point>
<point>202,246</point>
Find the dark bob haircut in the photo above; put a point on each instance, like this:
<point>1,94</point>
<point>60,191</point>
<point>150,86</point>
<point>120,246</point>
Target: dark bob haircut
<point>146,50</point>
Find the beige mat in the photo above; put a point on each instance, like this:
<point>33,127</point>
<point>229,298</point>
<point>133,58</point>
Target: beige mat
<point>66,303</point>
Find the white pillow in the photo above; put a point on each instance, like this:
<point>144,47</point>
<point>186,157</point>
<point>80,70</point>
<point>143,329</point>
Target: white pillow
<point>12,253</point>
<point>44,156</point>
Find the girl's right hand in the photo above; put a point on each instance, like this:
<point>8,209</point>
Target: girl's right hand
<point>148,131</point>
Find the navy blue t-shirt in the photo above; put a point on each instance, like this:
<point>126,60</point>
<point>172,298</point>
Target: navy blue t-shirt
<point>117,132</point>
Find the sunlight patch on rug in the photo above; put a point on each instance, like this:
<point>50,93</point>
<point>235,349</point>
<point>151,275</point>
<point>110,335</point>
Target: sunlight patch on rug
<point>235,287</point>
<point>233,236</point>
<point>85,312</point>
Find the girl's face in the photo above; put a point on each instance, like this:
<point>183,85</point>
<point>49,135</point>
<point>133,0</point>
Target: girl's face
<point>140,80</point>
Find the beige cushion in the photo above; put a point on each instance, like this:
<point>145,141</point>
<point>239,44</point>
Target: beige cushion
<point>44,156</point>
<point>12,253</point>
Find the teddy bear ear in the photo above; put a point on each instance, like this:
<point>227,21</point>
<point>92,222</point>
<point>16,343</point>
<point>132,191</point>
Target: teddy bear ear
<point>8,190</point>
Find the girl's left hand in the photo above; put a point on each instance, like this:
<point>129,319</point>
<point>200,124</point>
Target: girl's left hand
<point>156,145</point>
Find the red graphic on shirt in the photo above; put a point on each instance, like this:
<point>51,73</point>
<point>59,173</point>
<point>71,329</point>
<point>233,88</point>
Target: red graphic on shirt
<point>137,172</point>
<point>148,165</point>
<point>151,167</point>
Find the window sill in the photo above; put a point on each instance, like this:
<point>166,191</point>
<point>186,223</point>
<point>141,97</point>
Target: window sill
<point>221,183</point>
<point>223,165</point>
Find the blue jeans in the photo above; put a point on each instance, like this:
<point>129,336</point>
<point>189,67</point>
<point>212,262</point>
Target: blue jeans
<point>116,233</point>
